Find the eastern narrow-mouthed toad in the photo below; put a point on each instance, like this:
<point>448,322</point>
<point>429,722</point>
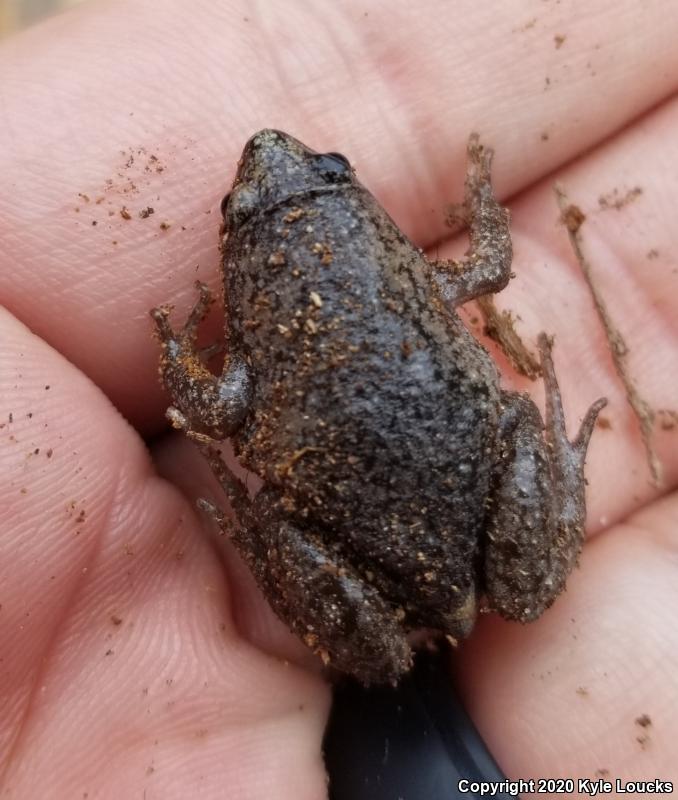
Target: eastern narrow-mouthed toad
<point>400,482</point>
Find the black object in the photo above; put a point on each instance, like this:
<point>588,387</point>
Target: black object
<point>413,742</point>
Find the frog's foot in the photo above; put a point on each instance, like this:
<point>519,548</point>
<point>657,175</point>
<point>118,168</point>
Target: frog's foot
<point>205,406</point>
<point>225,524</point>
<point>180,423</point>
<point>556,434</point>
<point>486,267</point>
<point>189,332</point>
<point>535,528</point>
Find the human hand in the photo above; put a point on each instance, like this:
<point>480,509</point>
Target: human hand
<point>133,659</point>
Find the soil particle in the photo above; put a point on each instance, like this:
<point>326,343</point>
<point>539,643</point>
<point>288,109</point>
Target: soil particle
<point>616,200</point>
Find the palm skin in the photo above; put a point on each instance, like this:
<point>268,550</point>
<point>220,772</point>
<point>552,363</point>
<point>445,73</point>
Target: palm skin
<point>136,656</point>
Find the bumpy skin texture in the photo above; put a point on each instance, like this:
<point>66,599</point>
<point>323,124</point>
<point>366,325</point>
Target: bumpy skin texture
<point>400,481</point>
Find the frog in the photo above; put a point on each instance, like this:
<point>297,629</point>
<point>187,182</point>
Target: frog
<point>403,490</point>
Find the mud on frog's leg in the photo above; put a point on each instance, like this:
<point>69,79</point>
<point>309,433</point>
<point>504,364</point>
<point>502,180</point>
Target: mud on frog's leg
<point>535,528</point>
<point>204,404</point>
<point>331,607</point>
<point>486,267</point>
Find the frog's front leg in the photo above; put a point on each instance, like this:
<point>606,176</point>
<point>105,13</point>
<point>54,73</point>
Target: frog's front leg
<point>535,529</point>
<point>486,267</point>
<point>204,404</point>
<point>313,587</point>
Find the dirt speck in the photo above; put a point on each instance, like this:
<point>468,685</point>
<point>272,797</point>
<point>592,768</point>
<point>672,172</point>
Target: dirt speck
<point>324,252</point>
<point>643,720</point>
<point>559,40</point>
<point>125,214</point>
<point>618,200</point>
<point>276,259</point>
<point>572,218</point>
<point>668,420</point>
<point>526,26</point>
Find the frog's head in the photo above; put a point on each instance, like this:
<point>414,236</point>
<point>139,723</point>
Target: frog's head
<point>275,166</point>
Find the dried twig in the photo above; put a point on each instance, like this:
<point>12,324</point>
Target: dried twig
<point>573,218</point>
<point>499,326</point>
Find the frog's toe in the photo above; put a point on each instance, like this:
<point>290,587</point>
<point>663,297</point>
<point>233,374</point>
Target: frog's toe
<point>198,312</point>
<point>161,317</point>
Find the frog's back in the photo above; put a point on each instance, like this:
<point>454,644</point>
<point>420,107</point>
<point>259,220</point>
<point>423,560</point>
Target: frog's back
<point>368,393</point>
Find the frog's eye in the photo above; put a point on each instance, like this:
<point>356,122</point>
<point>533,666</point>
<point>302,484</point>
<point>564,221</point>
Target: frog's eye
<point>341,159</point>
<point>223,205</point>
<point>240,205</point>
<point>333,165</point>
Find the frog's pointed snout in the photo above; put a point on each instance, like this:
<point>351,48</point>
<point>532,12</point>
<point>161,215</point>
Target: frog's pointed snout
<point>258,152</point>
<point>266,141</point>
<point>268,147</point>
<point>267,136</point>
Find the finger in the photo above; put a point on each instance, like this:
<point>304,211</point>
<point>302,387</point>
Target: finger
<point>180,462</point>
<point>147,106</point>
<point>589,689</point>
<point>122,668</point>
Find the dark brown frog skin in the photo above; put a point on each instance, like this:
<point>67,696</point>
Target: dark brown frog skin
<point>401,483</point>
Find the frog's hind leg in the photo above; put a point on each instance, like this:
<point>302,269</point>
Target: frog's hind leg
<point>486,267</point>
<point>535,529</point>
<point>329,604</point>
<point>233,487</point>
<point>205,405</point>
